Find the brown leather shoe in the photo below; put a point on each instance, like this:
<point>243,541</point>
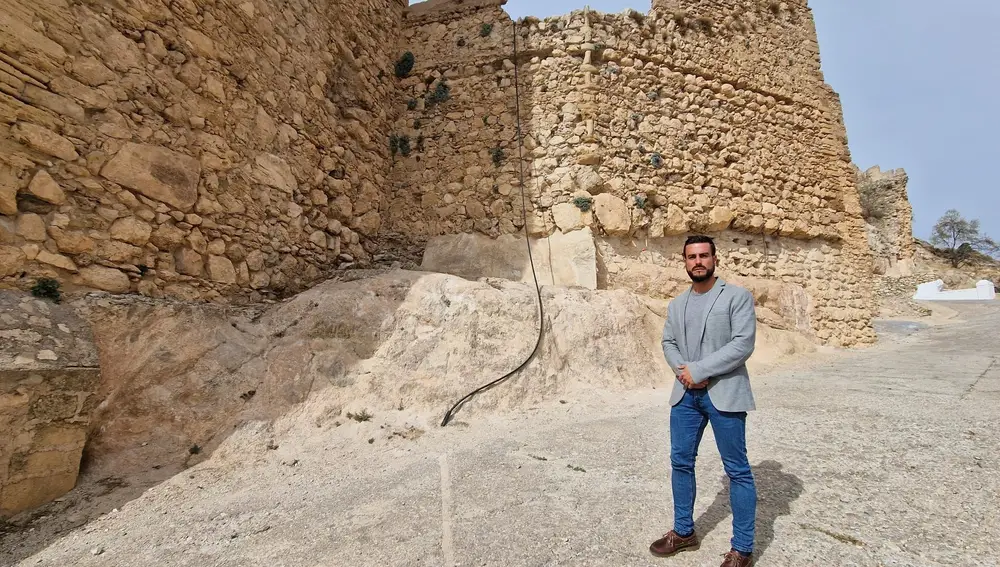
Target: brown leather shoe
<point>734,559</point>
<point>671,543</point>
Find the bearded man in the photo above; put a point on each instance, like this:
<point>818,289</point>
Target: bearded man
<point>707,339</point>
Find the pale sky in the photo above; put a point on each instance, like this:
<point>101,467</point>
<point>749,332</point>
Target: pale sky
<point>920,86</point>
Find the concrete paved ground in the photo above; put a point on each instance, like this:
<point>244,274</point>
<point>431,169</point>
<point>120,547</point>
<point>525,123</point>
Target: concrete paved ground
<point>883,457</point>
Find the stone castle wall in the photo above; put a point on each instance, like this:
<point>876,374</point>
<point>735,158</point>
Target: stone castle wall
<point>697,117</point>
<point>242,149</point>
<point>192,149</point>
<point>888,219</point>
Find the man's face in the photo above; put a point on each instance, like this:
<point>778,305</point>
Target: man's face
<point>699,262</point>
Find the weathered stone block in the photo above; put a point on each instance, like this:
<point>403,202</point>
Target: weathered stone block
<point>274,171</point>
<point>54,406</point>
<point>221,269</point>
<point>567,216</point>
<point>43,464</point>
<point>44,140</point>
<point>613,214</point>
<point>33,492</point>
<point>8,191</point>
<point>106,279</point>
<point>571,262</point>
<point>11,260</point>
<point>45,188</point>
<point>48,374</point>
<point>31,227</point>
<point>189,262</point>
<point>57,260</point>
<point>156,172</point>
<point>59,438</point>
<point>131,230</point>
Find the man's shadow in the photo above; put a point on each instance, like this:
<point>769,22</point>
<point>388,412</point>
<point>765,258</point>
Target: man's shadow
<point>776,491</point>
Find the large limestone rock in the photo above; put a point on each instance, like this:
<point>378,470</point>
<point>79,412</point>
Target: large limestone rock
<point>11,260</point>
<point>590,181</point>
<point>568,259</point>
<point>131,230</point>
<point>416,339</point>
<point>72,241</point>
<point>613,214</point>
<point>46,188</point>
<point>410,338</point>
<point>719,219</point>
<point>157,173</point>
<point>675,221</point>
<point>48,377</point>
<point>31,227</point>
<point>568,217</point>
<point>189,262</point>
<point>220,269</point>
<point>107,279</point>
<point>57,260</point>
<point>44,140</point>
<point>273,171</point>
<point>8,191</point>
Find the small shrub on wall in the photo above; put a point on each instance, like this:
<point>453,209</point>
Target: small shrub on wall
<point>404,65</point>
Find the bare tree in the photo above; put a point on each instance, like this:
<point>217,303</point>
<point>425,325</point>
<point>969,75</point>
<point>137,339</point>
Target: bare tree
<point>960,240</point>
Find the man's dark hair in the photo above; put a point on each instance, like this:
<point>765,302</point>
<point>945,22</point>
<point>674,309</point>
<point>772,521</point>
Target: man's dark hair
<point>697,239</point>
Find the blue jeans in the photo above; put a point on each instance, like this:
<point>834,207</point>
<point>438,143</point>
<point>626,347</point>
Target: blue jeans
<point>687,424</point>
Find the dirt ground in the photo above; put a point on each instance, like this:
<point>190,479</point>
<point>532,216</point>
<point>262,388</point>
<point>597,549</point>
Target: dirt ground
<point>879,457</point>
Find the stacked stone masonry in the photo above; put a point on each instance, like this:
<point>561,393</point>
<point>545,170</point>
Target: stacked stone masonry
<point>48,375</point>
<point>696,117</point>
<point>228,150</point>
<point>888,219</point>
<point>193,149</point>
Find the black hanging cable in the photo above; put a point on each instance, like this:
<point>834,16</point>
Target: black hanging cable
<point>524,216</point>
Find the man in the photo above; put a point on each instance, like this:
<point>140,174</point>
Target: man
<point>707,339</point>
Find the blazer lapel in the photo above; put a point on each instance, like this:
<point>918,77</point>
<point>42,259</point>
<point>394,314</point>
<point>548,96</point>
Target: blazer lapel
<point>682,336</point>
<point>713,296</point>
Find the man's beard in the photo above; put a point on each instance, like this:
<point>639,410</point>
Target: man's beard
<point>709,272</point>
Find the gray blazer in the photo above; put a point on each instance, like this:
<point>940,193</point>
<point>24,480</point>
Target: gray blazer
<point>729,330</point>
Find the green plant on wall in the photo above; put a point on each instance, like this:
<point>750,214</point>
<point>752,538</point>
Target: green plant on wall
<point>441,93</point>
<point>640,201</point>
<point>399,144</point>
<point>47,288</point>
<point>411,104</point>
<point>583,203</point>
<point>485,30</point>
<point>498,155</point>
<point>404,65</point>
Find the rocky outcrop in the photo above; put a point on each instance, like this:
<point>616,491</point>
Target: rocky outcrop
<point>179,375</point>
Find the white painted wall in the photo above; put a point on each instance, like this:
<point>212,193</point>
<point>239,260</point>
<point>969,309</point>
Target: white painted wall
<point>934,291</point>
